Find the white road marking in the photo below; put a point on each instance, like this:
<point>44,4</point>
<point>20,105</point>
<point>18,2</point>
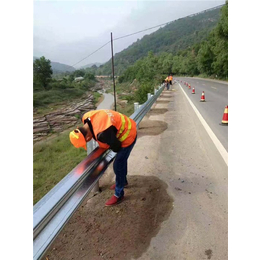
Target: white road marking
<point>214,87</point>
<point>223,152</point>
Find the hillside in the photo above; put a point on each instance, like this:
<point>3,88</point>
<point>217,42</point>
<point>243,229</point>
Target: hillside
<point>97,64</point>
<point>59,67</point>
<point>174,37</point>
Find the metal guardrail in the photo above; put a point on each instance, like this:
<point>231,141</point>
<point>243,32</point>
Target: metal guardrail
<point>55,209</point>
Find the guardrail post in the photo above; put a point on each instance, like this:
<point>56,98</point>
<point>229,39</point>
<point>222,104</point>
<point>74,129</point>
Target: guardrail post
<point>148,95</point>
<point>136,106</point>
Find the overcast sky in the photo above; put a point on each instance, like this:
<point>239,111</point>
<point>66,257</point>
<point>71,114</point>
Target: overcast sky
<point>69,31</point>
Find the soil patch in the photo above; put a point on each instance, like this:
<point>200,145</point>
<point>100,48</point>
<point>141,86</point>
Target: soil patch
<point>120,232</point>
<point>163,101</point>
<point>165,95</point>
<point>151,127</point>
<point>156,111</point>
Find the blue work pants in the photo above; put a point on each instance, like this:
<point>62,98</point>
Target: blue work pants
<point>120,169</point>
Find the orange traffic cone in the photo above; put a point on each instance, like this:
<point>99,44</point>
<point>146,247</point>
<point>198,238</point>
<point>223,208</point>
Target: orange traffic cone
<point>225,116</point>
<point>189,87</point>
<point>193,91</point>
<point>202,99</point>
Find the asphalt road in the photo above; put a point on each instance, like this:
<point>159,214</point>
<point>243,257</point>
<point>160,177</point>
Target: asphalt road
<point>212,110</point>
<point>186,159</point>
<point>107,102</point>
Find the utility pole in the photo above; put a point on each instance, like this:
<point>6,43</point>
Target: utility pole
<point>113,72</point>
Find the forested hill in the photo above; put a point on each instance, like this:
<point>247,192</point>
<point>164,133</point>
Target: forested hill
<point>176,36</point>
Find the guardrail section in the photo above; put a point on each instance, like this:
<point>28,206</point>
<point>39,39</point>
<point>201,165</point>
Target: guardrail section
<point>55,209</point>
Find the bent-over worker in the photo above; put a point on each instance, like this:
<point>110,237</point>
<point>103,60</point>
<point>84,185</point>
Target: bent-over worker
<point>112,130</point>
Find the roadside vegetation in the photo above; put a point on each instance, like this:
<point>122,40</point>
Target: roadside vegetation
<point>193,45</point>
<point>207,59</point>
<point>125,97</point>
<point>53,159</point>
<point>49,92</point>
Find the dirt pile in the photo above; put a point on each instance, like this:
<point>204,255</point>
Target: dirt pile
<point>119,232</point>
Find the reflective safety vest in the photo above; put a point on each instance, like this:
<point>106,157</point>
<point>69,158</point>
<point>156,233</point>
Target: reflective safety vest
<point>104,118</point>
<point>170,77</point>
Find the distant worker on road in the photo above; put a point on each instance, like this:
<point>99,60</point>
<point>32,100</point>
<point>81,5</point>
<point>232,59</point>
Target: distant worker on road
<point>170,79</point>
<point>167,81</point>
<point>112,130</point>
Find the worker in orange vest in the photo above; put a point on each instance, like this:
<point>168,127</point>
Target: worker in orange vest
<point>167,81</point>
<point>170,79</point>
<point>112,130</point>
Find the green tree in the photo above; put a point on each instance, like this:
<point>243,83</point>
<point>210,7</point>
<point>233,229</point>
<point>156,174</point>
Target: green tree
<point>183,65</point>
<point>176,65</point>
<point>222,27</point>
<point>42,72</point>
<point>142,91</point>
<point>89,76</point>
<point>220,48</point>
<point>167,64</point>
<point>71,78</point>
<point>79,73</point>
<point>191,66</point>
<point>205,58</point>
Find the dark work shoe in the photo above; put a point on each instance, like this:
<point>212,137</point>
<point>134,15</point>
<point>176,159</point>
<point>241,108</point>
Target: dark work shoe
<point>114,186</point>
<point>114,200</point>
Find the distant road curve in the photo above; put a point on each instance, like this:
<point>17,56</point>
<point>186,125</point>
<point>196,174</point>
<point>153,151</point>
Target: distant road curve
<point>107,103</point>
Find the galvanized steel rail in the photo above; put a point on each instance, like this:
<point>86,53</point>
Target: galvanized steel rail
<point>54,210</point>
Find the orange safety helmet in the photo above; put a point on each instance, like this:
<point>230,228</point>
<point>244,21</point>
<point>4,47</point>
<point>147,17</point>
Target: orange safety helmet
<point>78,139</point>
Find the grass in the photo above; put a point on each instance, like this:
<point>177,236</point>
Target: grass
<point>126,109</point>
<point>125,91</point>
<point>97,97</point>
<point>53,159</point>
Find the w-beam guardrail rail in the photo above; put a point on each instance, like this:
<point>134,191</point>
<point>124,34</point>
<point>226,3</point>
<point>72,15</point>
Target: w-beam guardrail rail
<point>55,209</point>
